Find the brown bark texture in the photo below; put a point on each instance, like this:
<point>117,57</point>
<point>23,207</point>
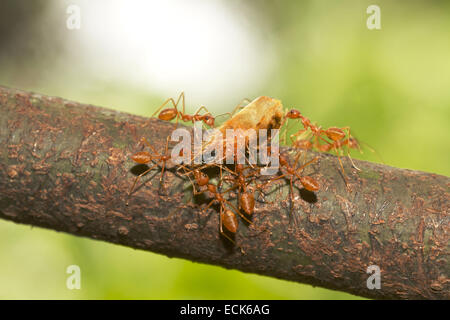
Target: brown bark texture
<point>66,166</point>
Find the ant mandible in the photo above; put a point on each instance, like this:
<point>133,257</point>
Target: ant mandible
<point>333,133</point>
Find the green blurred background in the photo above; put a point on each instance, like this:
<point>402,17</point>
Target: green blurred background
<point>391,86</point>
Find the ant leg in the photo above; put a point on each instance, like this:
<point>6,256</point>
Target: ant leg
<point>277,178</point>
<point>350,158</point>
<point>202,108</point>
<point>221,166</point>
<point>240,106</point>
<point>164,163</point>
<point>286,130</point>
<point>342,167</point>
<point>297,157</point>
<point>291,196</point>
<point>303,167</point>
<point>137,179</point>
<point>225,113</point>
<point>143,139</point>
<point>371,150</point>
<point>321,138</point>
<point>261,193</point>
<point>175,104</point>
<point>298,133</point>
<point>179,115</point>
<point>284,134</point>
<point>229,189</point>
<point>307,164</point>
<point>209,205</point>
<point>187,172</point>
<point>236,108</point>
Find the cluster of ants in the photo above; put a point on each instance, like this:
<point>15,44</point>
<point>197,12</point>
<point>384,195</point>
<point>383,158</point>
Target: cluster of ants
<point>244,181</point>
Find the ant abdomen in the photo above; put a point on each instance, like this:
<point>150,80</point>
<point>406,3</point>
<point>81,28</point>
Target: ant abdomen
<point>247,203</point>
<point>229,221</point>
<point>168,114</point>
<point>293,114</point>
<point>309,183</point>
<point>142,157</point>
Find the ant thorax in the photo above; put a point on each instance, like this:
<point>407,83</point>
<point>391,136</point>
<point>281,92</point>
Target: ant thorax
<point>243,149</point>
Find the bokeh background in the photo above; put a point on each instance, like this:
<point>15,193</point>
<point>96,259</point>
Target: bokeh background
<point>391,86</point>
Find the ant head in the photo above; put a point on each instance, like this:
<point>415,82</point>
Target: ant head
<point>168,114</point>
<point>141,157</point>
<point>293,114</point>
<point>208,119</point>
<point>353,143</point>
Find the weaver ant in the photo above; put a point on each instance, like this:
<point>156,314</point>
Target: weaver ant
<point>145,157</point>
<point>169,114</point>
<point>308,182</point>
<point>335,134</point>
<point>338,145</point>
<point>246,198</point>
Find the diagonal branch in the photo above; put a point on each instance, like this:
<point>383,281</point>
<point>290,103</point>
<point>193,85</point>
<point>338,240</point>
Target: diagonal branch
<point>66,166</point>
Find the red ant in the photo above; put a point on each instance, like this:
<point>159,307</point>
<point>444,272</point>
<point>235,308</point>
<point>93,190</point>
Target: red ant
<point>227,217</point>
<point>201,178</point>
<point>145,157</point>
<point>308,182</point>
<point>169,114</point>
<point>335,134</point>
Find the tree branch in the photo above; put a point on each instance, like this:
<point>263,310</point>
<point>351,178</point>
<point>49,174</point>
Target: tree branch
<point>66,166</point>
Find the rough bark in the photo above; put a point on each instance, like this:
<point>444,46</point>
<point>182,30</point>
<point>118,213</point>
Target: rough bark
<point>66,166</point>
